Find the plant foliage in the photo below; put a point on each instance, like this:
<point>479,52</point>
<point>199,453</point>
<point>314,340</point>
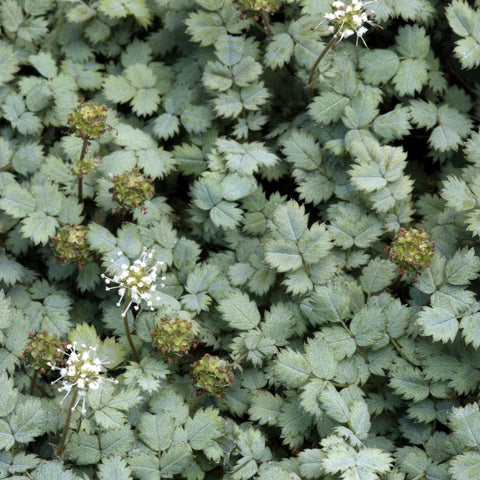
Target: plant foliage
<point>199,202</point>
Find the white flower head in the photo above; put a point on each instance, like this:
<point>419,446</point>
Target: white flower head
<point>136,282</point>
<point>347,19</point>
<point>82,371</point>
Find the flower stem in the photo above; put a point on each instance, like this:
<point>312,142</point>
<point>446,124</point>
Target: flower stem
<point>266,23</point>
<point>317,62</point>
<point>129,335</point>
<point>33,382</point>
<point>61,447</point>
<point>80,175</point>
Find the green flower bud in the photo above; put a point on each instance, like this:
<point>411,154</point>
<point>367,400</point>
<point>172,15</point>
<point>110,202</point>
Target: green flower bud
<point>85,166</point>
<point>70,245</point>
<point>257,6</point>
<point>411,250</point>
<point>88,120</point>
<point>173,337</point>
<point>212,375</point>
<point>43,351</point>
<point>132,189</point>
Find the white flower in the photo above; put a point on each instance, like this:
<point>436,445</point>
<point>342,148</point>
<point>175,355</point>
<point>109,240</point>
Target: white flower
<point>82,371</point>
<point>348,19</point>
<point>136,281</point>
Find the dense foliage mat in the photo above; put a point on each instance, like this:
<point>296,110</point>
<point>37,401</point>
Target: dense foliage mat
<point>239,239</point>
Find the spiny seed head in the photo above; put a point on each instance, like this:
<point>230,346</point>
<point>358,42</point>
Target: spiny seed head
<point>44,350</point>
<point>173,337</point>
<point>88,120</point>
<point>411,250</point>
<point>131,189</point>
<point>212,375</point>
<point>70,245</point>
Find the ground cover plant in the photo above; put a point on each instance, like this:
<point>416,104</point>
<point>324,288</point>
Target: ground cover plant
<point>239,239</point>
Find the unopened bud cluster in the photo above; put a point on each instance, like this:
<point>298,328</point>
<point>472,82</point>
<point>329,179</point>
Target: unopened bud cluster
<point>411,250</point>
<point>44,350</point>
<point>131,189</point>
<point>257,6</point>
<point>173,337</point>
<point>70,245</point>
<point>88,120</point>
<point>85,166</point>
<point>212,375</point>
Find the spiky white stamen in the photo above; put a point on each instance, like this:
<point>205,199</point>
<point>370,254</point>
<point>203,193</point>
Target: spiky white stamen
<point>136,282</point>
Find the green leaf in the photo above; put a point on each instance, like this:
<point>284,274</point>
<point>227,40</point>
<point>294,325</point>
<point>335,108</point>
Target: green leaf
<point>11,271</point>
<point>204,28</point>
<point>291,368</point>
<point>7,440</point>
<point>378,66</point>
<point>457,194</point>
<point>229,104</point>
<point>328,107</point>
<point>101,239</point>
<point>470,325</point>
<point>377,275</point>
<point>28,420</point>
<point>9,63</point>
<point>362,110</point>
<point>157,430</point>
<point>145,101</point>
<point>361,465</point>
<point>265,407</point>
<point>321,358</point>
<point>290,221</point>
<point>462,268</point>
<point>368,325</point>
<point>145,465</point>
<point>226,215</point>
<point>9,396</point>
<point>349,226</point>
<point>412,41</point>
<point>113,468</point>
<point>465,424</point>
<point>39,227</point>
<point>239,311</point>
<point>118,89</point>
<point>279,51</point>
<point>409,383</point>
<point>283,255</point>
<point>44,63</point>
<point>333,404</point>
<point>177,458</point>
<point>17,201</point>
<point>245,158</point>
<point>204,428</point>
<point>11,15</point>
<point>465,466</point>
<point>438,322</point>
<point>359,419</point>
<point>302,151</point>
<point>411,76</point>
<point>393,125</point>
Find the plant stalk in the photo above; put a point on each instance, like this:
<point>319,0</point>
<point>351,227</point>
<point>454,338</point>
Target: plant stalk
<point>80,174</point>
<point>328,46</point>
<point>129,335</point>
<point>61,447</point>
